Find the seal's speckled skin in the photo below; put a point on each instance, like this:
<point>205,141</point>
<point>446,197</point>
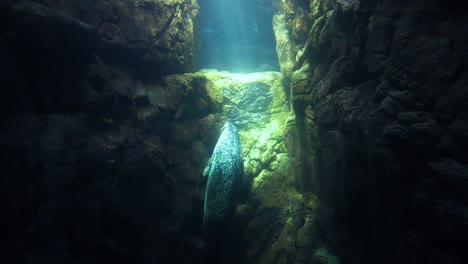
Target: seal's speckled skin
<point>225,169</point>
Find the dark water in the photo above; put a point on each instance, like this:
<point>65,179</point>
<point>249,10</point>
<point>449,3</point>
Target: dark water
<point>237,36</point>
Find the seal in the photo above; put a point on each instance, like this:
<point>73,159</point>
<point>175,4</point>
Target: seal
<point>224,170</point>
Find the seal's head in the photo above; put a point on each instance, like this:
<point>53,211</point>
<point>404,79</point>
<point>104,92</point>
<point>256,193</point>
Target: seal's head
<point>229,125</point>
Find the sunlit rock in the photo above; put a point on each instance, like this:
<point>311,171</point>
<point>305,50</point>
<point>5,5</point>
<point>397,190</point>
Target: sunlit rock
<point>284,49</point>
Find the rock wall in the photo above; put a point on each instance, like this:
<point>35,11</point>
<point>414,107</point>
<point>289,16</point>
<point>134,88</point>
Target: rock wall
<point>379,94</point>
<point>99,150</point>
<point>115,183</point>
<point>47,43</point>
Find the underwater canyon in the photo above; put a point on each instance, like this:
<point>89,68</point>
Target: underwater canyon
<point>352,118</point>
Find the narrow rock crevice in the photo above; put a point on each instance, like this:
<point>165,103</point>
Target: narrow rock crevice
<point>355,152</point>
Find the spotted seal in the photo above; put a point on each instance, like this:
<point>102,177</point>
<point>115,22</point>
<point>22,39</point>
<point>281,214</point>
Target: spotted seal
<point>224,170</point>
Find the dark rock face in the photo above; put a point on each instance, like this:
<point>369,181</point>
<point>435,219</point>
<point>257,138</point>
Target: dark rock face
<point>386,85</point>
<point>152,38</point>
<point>92,164</point>
<point>106,184</point>
<point>46,54</point>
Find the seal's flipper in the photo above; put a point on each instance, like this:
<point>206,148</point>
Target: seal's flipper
<point>206,171</point>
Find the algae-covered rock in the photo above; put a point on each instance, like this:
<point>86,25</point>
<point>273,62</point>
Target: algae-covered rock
<point>372,89</point>
<point>279,225</point>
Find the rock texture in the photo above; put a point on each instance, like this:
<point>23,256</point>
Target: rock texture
<point>98,148</point>
<point>274,222</point>
<point>148,38</point>
<point>378,90</point>
<point>120,182</point>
